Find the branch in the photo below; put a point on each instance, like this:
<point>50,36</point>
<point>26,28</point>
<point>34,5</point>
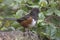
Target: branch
<point>17,35</point>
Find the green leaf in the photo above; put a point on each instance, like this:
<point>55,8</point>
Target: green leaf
<point>20,13</point>
<point>30,2</point>
<point>8,2</point>
<point>15,25</point>
<point>49,12</point>
<point>4,28</point>
<point>41,16</point>
<point>57,12</point>
<point>53,4</point>
<point>34,6</point>
<point>43,3</point>
<point>58,32</point>
<point>18,1</point>
<point>51,30</point>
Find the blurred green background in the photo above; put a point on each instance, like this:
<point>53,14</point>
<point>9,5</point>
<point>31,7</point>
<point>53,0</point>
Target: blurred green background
<point>48,23</point>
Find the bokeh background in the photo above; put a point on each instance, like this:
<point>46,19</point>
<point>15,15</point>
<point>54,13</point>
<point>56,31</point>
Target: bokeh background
<point>48,24</point>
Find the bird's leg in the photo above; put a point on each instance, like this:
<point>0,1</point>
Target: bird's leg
<point>26,30</point>
<point>29,34</point>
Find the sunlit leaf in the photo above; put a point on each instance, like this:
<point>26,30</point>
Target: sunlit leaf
<point>7,23</point>
<point>57,12</point>
<point>53,4</point>
<point>4,28</point>
<point>16,25</point>
<point>19,1</point>
<point>43,3</point>
<point>30,2</point>
<point>8,2</point>
<point>49,12</point>
<point>51,30</point>
<point>41,16</point>
<point>34,6</point>
<point>20,13</point>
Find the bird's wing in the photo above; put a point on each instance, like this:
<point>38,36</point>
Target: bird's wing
<point>23,18</point>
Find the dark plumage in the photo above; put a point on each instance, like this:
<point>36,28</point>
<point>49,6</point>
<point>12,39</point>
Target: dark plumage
<point>29,20</point>
<point>24,21</point>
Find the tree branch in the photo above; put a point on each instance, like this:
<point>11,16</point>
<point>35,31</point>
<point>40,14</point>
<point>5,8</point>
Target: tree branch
<point>17,35</point>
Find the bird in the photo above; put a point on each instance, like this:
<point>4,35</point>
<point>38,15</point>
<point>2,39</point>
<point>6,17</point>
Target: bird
<point>30,19</point>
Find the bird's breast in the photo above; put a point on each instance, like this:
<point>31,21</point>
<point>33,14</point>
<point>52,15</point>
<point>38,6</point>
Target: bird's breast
<point>32,23</point>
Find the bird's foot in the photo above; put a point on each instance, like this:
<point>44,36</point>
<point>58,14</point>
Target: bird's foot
<point>25,34</point>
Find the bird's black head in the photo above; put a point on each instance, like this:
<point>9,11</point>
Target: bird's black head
<point>34,11</point>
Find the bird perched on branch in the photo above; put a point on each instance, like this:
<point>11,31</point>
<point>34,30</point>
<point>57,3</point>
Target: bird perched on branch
<point>30,19</point>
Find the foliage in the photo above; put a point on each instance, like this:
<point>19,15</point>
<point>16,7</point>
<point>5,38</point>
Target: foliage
<point>19,8</point>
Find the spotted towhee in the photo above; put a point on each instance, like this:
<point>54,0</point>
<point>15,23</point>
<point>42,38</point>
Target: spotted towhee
<point>30,19</point>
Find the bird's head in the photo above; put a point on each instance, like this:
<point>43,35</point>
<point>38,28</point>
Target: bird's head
<point>34,11</point>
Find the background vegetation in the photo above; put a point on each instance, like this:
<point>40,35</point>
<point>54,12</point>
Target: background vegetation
<point>48,24</point>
